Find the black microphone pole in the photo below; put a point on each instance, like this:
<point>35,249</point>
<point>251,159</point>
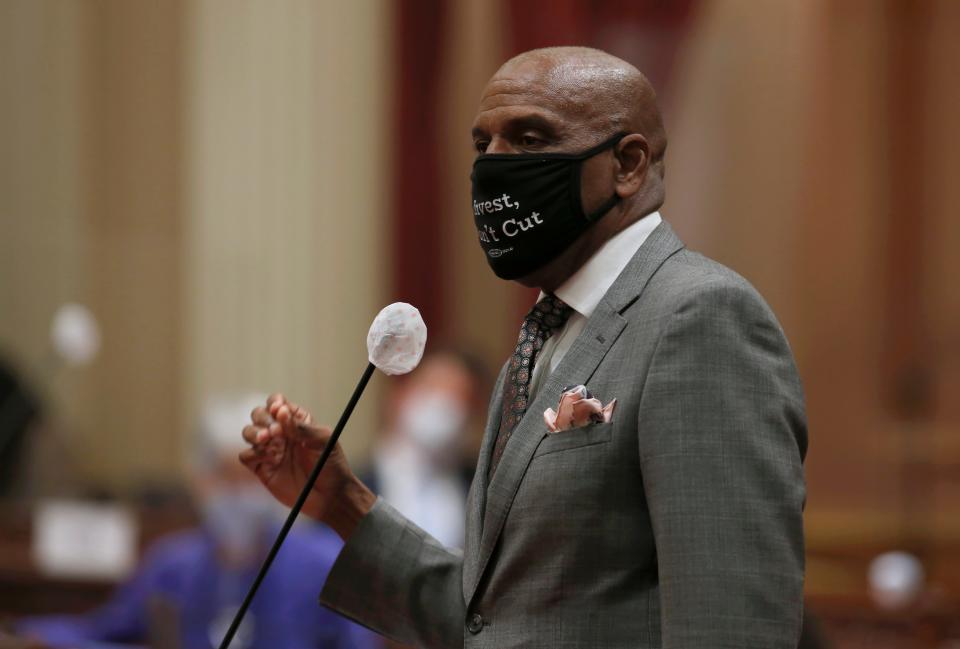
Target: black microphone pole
<point>298,505</point>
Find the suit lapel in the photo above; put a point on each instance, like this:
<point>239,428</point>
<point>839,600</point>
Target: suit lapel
<point>659,246</point>
<point>478,489</point>
<point>490,503</point>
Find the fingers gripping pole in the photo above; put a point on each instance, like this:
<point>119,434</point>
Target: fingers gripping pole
<point>297,506</point>
<point>395,344</point>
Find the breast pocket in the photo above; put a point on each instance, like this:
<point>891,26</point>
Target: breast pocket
<point>567,440</point>
<point>567,487</point>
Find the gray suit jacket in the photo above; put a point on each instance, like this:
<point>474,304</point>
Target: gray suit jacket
<point>678,524</point>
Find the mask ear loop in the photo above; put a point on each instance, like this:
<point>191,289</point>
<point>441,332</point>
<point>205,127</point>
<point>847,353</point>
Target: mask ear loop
<point>577,179</point>
<point>603,209</point>
<point>609,143</point>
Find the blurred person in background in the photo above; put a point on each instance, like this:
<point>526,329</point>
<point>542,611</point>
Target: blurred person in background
<point>20,413</point>
<point>35,459</point>
<point>424,459</point>
<point>189,584</point>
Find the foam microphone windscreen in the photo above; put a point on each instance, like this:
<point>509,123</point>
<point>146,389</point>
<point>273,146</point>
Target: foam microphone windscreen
<point>397,339</point>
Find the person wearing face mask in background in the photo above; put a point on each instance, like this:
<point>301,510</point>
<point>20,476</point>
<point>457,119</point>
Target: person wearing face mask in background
<point>423,462</point>
<point>189,584</point>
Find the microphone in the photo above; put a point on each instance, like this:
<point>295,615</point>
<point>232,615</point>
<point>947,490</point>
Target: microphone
<point>395,345</point>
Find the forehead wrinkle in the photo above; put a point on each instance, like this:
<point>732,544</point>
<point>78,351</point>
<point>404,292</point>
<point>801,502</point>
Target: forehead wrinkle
<point>509,87</point>
<point>514,113</point>
<point>585,94</point>
<point>511,93</point>
<point>595,91</point>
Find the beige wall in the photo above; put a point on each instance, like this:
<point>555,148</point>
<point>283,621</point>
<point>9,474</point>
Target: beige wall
<point>40,186</point>
<point>285,200</point>
<point>128,407</point>
<point>203,175</point>
<point>90,210</point>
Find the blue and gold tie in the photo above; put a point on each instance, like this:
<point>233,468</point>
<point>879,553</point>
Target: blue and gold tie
<point>548,316</point>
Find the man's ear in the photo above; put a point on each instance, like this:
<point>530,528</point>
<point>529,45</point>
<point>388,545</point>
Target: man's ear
<point>633,157</point>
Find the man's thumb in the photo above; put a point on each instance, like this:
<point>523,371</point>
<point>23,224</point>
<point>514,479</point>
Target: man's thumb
<point>313,437</point>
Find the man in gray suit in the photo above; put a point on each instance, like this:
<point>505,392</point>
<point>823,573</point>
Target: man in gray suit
<point>677,521</point>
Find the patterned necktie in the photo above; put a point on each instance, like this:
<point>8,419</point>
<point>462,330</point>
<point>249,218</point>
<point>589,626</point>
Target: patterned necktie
<point>546,317</point>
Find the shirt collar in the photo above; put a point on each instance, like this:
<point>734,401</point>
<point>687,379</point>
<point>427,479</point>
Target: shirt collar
<point>585,288</point>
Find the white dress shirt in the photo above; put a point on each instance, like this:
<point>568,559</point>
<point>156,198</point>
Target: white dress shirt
<point>584,290</point>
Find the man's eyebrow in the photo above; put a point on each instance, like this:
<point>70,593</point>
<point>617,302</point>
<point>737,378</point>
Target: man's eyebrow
<point>534,122</point>
<point>522,123</point>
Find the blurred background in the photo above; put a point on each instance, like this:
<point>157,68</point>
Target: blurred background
<point>210,197</point>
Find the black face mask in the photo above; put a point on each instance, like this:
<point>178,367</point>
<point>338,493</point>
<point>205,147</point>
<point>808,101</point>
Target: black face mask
<point>527,207</point>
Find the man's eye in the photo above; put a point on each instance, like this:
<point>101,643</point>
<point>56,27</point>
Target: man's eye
<point>530,141</point>
<point>481,145</point>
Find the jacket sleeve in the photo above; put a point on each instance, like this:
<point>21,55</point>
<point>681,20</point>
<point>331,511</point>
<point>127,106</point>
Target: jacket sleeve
<point>396,579</point>
<point>722,436</point>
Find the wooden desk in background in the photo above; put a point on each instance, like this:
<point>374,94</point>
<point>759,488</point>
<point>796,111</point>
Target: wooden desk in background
<point>24,590</point>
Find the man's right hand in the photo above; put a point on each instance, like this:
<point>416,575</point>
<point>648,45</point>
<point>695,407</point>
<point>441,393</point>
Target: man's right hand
<point>285,445</point>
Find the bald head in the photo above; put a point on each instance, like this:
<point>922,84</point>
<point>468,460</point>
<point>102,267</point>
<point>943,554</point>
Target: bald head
<point>598,92</point>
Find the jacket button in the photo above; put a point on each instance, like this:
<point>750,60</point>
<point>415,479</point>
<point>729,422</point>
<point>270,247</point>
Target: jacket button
<point>475,623</point>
